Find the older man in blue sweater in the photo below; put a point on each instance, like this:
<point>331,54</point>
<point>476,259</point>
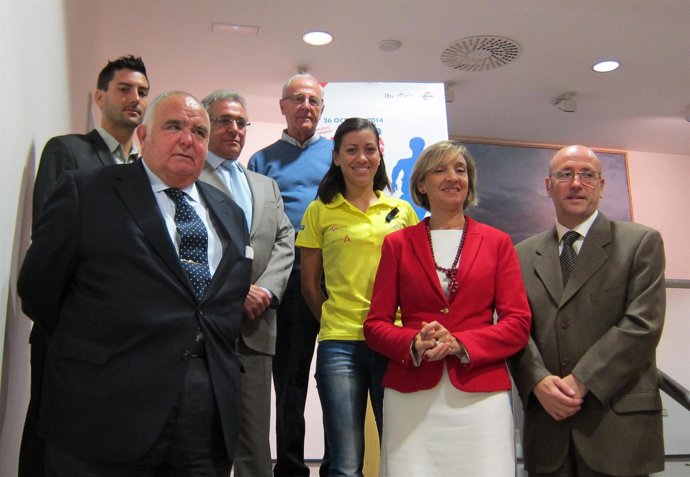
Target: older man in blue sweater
<point>297,162</point>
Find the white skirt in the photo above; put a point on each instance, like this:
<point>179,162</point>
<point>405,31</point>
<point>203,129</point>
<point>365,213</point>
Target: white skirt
<point>445,432</point>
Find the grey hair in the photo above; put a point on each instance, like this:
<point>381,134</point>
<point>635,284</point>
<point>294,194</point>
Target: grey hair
<point>292,79</point>
<point>223,95</point>
<point>153,105</point>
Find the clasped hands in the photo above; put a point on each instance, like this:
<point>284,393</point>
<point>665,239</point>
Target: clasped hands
<point>560,397</point>
<point>435,342</point>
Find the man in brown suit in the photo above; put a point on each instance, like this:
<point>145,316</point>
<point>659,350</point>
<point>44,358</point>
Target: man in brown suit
<point>588,377</point>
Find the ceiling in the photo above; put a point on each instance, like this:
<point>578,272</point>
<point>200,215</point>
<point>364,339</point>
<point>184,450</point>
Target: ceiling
<point>639,107</point>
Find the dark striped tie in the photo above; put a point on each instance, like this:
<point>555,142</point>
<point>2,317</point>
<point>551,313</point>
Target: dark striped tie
<point>568,255</point>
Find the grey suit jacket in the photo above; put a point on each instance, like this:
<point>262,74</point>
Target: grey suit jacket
<point>273,239</point>
<point>603,328</point>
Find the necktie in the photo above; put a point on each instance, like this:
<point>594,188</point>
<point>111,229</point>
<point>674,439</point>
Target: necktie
<point>193,242</point>
<point>568,255</point>
<point>240,190</point>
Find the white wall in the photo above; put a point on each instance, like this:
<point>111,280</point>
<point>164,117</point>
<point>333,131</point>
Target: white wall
<point>659,183</point>
<point>34,85</point>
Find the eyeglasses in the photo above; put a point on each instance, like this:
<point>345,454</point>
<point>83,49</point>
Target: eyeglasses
<point>225,121</point>
<point>314,101</point>
<point>586,177</point>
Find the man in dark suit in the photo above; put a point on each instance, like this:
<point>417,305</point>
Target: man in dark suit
<point>141,377</point>
<point>122,95</point>
<point>588,377</point>
<point>272,239</point>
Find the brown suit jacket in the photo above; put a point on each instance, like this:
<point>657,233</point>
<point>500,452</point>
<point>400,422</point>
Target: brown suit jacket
<point>603,328</point>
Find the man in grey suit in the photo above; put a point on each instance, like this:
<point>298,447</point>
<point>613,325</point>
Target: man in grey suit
<point>272,239</point>
<point>588,378</point>
<point>121,94</point>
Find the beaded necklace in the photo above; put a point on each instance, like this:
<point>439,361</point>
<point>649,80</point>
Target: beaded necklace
<point>451,272</point>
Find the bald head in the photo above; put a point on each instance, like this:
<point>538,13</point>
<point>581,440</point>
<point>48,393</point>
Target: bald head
<point>575,184</point>
<point>574,151</point>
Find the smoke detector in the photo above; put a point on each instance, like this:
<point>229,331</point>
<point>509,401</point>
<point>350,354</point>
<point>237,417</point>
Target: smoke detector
<point>480,53</point>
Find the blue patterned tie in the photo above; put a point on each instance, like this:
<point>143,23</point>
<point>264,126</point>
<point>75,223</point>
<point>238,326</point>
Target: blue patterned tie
<point>193,242</point>
<point>568,255</point>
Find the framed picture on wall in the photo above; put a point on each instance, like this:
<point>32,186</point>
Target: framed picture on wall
<point>512,190</point>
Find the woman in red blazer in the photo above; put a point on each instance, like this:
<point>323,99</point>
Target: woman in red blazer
<point>458,286</point>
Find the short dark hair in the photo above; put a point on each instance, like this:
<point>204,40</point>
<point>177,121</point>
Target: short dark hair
<point>129,62</point>
<point>334,182</point>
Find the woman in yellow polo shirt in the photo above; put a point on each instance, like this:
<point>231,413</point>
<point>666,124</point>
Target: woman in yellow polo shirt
<point>341,236</point>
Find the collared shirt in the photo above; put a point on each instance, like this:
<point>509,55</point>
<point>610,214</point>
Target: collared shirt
<point>582,229</point>
<point>116,149</point>
<point>287,138</point>
<point>167,208</point>
<point>220,166</point>
<point>350,241</point>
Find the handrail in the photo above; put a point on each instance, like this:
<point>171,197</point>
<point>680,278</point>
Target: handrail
<point>677,283</point>
<point>674,389</point>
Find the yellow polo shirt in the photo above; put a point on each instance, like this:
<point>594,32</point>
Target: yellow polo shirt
<point>350,241</point>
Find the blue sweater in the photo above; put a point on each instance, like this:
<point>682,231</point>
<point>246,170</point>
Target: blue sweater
<point>297,171</point>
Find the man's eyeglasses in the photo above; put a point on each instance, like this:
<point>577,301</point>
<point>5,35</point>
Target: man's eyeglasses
<point>314,101</point>
<point>225,121</point>
<point>586,177</point>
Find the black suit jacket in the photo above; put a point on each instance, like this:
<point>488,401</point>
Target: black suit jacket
<point>66,153</point>
<point>103,276</point>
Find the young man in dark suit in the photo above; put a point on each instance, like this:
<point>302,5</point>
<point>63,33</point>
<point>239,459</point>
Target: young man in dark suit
<point>122,95</point>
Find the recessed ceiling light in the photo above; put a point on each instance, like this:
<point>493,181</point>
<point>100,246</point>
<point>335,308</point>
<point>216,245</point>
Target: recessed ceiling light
<point>317,38</point>
<point>606,66</point>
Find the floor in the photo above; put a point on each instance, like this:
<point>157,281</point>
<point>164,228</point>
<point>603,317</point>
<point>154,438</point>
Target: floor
<point>674,468</point>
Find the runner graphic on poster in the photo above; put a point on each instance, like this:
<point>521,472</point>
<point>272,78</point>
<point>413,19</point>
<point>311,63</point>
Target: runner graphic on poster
<point>409,116</point>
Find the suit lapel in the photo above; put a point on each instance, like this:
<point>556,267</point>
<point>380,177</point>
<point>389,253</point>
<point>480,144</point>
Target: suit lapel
<point>548,267</point>
<point>228,226</point>
<point>257,200</point>
<point>133,186</point>
<point>210,176</point>
<point>591,257</point>
<point>470,250</point>
<point>101,148</point>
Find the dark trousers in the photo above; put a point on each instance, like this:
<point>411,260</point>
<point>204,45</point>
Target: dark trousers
<point>190,445</point>
<point>575,466</point>
<point>32,448</point>
<point>296,339</point>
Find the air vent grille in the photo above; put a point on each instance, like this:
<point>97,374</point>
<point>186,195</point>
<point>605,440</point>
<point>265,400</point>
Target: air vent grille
<point>480,53</point>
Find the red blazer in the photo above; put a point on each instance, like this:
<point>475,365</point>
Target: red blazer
<point>490,280</point>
